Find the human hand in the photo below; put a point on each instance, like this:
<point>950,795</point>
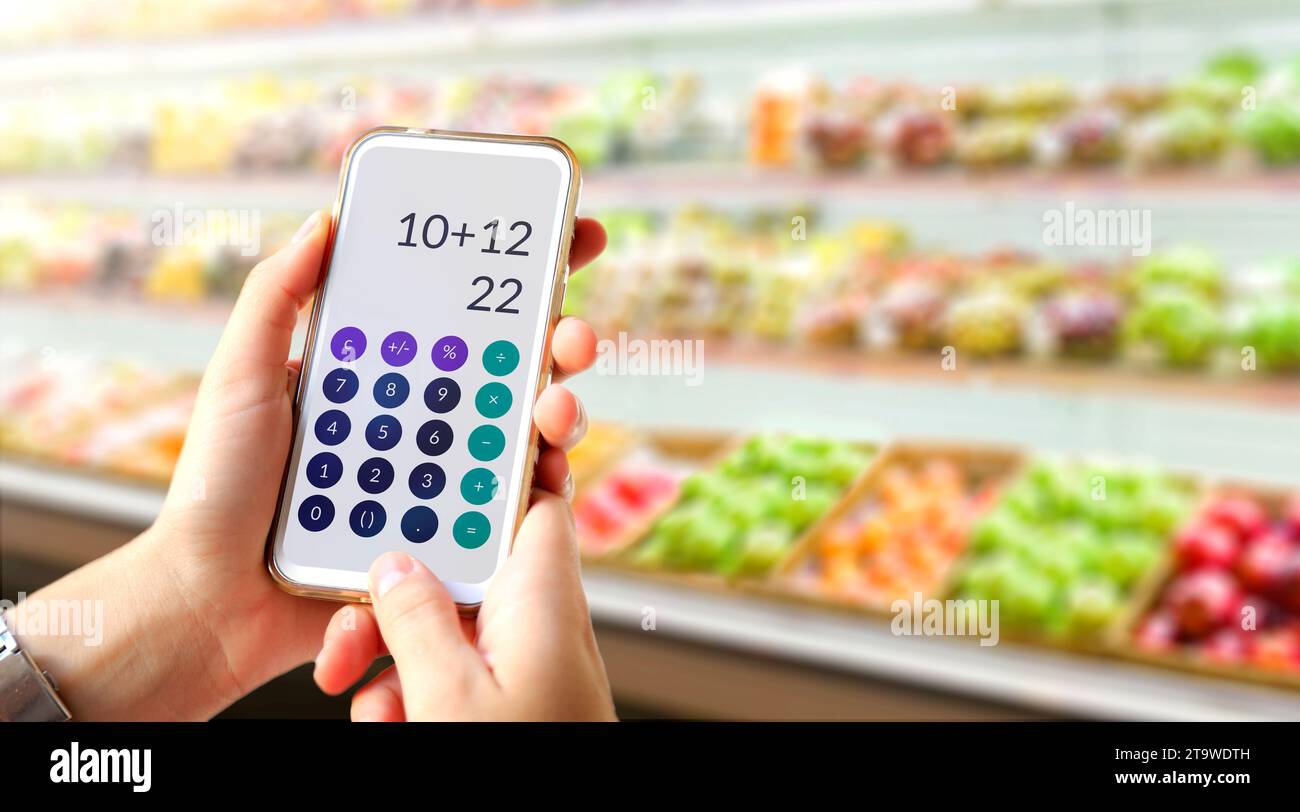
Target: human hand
<point>529,655</point>
<point>191,599</point>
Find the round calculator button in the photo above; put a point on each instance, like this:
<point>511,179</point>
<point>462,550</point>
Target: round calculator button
<point>493,400</point>
<point>434,437</point>
<point>383,432</point>
<point>471,530</point>
<point>398,349</point>
<point>500,358</point>
<point>333,427</point>
<point>375,475</point>
<point>340,385</point>
<point>348,344</point>
<point>449,353</point>
<point>315,513</point>
<point>419,524</point>
<point>486,443</point>
<point>324,469</point>
<point>478,486</point>
<point>391,390</point>
<point>367,518</point>
<point>441,395</point>
<point>427,480</point>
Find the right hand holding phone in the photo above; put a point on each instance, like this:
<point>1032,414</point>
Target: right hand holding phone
<point>530,654</point>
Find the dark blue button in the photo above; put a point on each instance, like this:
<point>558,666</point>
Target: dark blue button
<point>391,390</point>
<point>315,513</point>
<point>427,480</point>
<point>383,432</point>
<point>324,469</point>
<point>340,385</point>
<point>333,427</point>
<point>441,395</point>
<point>434,437</point>
<point>367,518</point>
<point>419,524</point>
<point>375,475</point>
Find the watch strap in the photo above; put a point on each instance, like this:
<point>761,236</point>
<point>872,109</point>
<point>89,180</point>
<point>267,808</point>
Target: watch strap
<point>27,694</point>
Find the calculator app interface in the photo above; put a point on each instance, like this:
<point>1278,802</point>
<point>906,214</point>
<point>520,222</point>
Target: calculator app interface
<point>415,416</point>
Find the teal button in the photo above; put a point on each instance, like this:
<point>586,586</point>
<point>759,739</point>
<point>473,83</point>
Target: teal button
<point>486,443</point>
<point>478,486</point>
<point>493,400</point>
<point>500,358</point>
<point>471,530</point>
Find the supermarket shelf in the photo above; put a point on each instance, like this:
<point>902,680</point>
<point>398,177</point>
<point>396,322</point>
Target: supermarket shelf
<point>1055,682</point>
<point>1050,681</point>
<point>669,185</point>
<point>488,33</point>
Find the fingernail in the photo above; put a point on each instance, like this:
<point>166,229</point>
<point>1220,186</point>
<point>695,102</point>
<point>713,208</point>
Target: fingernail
<point>567,488</point>
<point>306,228</point>
<point>579,427</point>
<point>389,571</point>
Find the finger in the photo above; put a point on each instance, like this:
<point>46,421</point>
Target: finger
<point>380,700</point>
<point>552,473</point>
<point>256,341</point>
<point>536,602</point>
<point>573,346</point>
<point>560,417</point>
<point>588,241</point>
<point>420,624</point>
<point>352,642</point>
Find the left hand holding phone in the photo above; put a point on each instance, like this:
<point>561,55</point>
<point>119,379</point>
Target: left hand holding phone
<point>193,620</point>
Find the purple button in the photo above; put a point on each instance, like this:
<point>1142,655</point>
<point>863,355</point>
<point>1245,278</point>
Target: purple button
<point>449,353</point>
<point>348,344</point>
<point>398,349</point>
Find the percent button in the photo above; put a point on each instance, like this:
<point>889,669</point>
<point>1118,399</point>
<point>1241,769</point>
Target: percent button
<point>449,353</point>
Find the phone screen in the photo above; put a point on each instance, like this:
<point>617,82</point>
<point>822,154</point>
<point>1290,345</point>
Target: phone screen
<point>415,413</point>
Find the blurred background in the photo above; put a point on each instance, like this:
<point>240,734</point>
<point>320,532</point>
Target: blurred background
<point>986,299</point>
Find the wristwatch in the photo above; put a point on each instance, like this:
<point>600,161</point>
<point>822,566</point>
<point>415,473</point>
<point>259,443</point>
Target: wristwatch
<point>27,694</point>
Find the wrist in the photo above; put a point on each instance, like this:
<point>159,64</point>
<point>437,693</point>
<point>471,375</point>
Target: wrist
<point>121,640</point>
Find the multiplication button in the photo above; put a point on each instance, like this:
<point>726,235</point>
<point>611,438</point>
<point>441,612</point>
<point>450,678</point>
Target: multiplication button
<point>493,400</point>
<point>471,530</point>
<point>500,358</point>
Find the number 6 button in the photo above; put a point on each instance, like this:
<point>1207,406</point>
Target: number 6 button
<point>434,437</point>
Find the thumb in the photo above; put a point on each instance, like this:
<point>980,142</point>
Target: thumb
<point>420,625</point>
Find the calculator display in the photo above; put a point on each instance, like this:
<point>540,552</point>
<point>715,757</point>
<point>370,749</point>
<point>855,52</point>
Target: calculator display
<point>415,414</point>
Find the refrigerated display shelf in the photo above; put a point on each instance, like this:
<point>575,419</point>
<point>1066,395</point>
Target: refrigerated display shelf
<point>1047,681</point>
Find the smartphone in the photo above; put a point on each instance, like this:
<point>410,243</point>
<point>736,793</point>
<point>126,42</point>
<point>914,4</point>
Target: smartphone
<point>428,344</point>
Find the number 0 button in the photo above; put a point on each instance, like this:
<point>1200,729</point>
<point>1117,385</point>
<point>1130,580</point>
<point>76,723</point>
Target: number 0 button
<point>434,437</point>
<point>367,518</point>
<point>493,400</point>
<point>479,486</point>
<point>471,530</point>
<point>315,513</point>
<point>341,385</point>
<point>500,358</point>
<point>419,524</point>
<point>376,475</point>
